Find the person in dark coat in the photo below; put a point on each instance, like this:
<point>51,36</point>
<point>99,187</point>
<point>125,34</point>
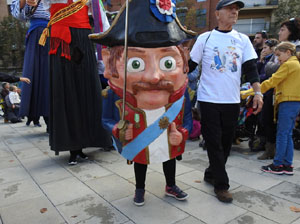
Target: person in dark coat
<point>11,78</point>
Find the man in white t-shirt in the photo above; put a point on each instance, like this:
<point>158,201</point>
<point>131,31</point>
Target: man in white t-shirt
<point>225,55</point>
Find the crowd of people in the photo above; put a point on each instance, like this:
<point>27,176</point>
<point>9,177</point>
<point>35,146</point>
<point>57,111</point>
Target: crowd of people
<point>153,105</point>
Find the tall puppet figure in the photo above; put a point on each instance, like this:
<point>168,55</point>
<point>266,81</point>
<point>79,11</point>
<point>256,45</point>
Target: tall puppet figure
<point>35,97</point>
<point>75,90</point>
<point>157,110</point>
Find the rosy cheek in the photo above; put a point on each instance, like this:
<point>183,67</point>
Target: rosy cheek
<point>174,75</point>
<point>179,79</point>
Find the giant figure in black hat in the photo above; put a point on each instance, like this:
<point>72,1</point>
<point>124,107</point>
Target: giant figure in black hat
<point>157,113</point>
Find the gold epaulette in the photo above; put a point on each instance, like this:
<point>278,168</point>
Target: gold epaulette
<point>105,92</point>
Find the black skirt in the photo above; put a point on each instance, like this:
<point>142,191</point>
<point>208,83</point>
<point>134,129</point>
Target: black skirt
<point>75,98</point>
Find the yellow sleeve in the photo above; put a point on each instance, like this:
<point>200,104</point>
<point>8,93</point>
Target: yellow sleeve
<point>276,78</point>
<point>246,93</point>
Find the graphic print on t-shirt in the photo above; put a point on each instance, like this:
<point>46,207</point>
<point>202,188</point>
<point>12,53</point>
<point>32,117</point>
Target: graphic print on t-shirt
<point>226,60</point>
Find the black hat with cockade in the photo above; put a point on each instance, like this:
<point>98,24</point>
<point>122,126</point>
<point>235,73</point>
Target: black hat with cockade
<point>150,25</point>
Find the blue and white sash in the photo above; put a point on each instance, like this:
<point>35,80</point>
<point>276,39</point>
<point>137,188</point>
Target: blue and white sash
<point>151,133</point>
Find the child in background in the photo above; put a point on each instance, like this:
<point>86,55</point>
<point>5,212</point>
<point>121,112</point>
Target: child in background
<point>14,97</point>
<point>196,131</point>
<point>287,83</point>
<point>12,101</point>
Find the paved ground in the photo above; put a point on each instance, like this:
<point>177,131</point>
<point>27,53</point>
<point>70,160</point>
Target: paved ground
<point>38,187</point>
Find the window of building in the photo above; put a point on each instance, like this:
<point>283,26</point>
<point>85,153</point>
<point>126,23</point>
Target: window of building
<point>201,18</point>
<point>251,26</point>
<point>201,0</point>
<point>259,3</point>
<point>254,3</point>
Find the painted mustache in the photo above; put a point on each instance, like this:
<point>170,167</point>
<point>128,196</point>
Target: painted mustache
<point>145,86</point>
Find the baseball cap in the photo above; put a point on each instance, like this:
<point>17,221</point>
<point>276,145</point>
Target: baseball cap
<point>224,3</point>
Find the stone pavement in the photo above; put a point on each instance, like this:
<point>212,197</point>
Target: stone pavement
<point>37,187</point>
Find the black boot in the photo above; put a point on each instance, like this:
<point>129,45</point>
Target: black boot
<point>259,146</point>
<point>269,153</point>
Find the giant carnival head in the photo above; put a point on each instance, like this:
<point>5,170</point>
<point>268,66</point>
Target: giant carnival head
<point>157,62</point>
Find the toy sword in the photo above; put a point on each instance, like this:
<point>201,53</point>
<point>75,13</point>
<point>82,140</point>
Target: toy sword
<point>122,125</point>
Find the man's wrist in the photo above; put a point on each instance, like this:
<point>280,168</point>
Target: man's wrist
<point>259,94</point>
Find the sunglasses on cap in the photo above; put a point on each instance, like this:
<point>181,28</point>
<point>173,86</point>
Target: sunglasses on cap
<point>271,43</point>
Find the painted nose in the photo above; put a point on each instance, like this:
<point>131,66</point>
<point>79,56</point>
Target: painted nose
<point>153,76</point>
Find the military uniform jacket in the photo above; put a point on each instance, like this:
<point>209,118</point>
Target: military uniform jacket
<point>112,107</point>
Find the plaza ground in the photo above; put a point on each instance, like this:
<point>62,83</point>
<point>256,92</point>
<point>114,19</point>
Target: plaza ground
<point>37,187</point>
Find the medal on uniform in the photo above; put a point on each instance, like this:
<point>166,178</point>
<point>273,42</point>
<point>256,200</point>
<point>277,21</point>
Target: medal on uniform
<point>137,121</point>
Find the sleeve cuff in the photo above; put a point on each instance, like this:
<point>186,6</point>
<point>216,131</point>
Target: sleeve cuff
<point>184,132</point>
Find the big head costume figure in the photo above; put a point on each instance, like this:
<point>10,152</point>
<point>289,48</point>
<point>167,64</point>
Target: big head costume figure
<point>157,110</point>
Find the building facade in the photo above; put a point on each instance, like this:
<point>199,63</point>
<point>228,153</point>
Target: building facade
<point>255,17</point>
<point>200,14</point>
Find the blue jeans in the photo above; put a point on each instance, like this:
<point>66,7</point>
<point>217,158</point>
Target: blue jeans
<point>287,114</point>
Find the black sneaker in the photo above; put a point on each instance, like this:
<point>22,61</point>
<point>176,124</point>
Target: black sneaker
<point>176,192</point>
<point>139,197</point>
<point>273,169</point>
<point>289,170</point>
<point>82,155</point>
<point>72,163</point>
<point>202,144</point>
<point>72,160</point>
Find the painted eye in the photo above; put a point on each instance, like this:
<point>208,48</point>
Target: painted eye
<point>167,63</point>
<point>135,65</point>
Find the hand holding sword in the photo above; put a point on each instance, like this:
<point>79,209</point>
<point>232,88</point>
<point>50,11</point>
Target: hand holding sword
<point>123,125</point>
<point>34,4</point>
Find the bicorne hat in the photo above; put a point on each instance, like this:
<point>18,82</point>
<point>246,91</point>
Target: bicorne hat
<point>151,23</point>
